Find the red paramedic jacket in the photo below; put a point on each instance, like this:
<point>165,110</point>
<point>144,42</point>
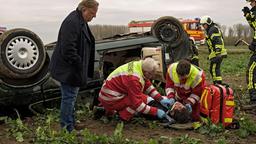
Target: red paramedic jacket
<point>123,89</point>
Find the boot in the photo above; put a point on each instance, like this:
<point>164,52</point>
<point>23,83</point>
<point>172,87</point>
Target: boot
<point>98,112</point>
<point>217,82</point>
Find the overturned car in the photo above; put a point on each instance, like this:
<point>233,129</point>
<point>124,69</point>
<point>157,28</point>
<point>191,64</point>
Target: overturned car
<point>24,60</point>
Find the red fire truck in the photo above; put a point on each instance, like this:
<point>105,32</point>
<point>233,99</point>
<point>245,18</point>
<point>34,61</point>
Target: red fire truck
<point>191,26</point>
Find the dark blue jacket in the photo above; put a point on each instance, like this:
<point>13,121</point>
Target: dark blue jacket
<point>72,61</point>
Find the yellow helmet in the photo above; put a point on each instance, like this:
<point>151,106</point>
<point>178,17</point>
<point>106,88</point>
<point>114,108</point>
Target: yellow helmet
<point>206,20</point>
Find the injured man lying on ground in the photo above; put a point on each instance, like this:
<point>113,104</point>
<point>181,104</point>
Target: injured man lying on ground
<point>178,113</point>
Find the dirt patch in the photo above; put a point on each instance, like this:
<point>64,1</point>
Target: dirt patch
<point>4,139</point>
<point>141,132</point>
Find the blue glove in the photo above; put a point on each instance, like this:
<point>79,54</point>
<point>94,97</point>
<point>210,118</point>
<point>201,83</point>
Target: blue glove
<point>167,102</point>
<point>189,108</point>
<point>160,113</point>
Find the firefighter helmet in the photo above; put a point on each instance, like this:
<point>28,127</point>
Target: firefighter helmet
<point>206,20</point>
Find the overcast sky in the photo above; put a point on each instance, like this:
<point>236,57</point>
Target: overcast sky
<point>45,16</point>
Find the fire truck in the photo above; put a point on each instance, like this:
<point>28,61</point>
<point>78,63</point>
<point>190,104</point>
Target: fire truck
<point>191,26</point>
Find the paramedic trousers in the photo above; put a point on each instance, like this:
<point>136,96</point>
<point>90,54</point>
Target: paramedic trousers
<point>123,107</point>
<point>67,108</point>
<point>251,78</point>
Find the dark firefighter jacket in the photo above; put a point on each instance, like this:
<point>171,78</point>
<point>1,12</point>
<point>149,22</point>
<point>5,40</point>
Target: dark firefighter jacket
<point>251,18</point>
<point>215,41</point>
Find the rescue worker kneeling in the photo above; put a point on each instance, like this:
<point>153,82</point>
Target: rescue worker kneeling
<point>123,91</point>
<point>185,83</point>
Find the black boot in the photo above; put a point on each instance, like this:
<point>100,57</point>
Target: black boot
<point>252,93</point>
<point>217,82</point>
<point>98,112</point>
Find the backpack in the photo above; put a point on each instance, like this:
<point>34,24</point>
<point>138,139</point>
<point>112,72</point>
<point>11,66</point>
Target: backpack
<point>217,104</point>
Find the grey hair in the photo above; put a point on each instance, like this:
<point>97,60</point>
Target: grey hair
<point>87,4</point>
<point>149,65</point>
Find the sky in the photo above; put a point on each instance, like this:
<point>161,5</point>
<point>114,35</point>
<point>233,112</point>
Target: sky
<point>44,17</point>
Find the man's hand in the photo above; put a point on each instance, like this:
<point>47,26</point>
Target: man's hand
<point>160,114</point>
<point>246,10</point>
<point>167,102</point>
<point>189,108</point>
<point>252,46</point>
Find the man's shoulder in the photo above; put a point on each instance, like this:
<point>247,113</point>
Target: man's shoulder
<point>72,17</point>
<point>213,29</point>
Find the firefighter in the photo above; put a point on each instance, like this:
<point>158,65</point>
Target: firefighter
<point>215,43</point>
<point>250,15</point>
<point>185,83</point>
<point>128,90</point>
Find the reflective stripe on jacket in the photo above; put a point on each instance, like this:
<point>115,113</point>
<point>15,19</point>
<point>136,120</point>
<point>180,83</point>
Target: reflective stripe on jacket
<point>128,80</point>
<point>190,90</point>
<point>251,19</point>
<point>215,42</point>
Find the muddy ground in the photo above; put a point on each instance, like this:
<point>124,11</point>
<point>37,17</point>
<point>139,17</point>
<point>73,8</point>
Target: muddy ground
<point>140,132</point>
<point>144,132</point>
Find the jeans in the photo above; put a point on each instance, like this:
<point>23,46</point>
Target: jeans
<point>67,108</point>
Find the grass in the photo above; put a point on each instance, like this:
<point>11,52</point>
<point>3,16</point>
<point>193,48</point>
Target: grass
<point>233,67</point>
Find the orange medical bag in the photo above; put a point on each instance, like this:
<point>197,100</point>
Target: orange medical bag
<point>217,104</point>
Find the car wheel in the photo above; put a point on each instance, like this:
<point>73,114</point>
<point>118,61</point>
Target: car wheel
<point>22,54</point>
<point>168,30</point>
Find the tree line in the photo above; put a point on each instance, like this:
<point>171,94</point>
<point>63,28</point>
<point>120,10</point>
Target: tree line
<point>230,33</point>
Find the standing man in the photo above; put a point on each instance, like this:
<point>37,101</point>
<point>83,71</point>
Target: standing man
<point>217,51</point>
<point>185,83</point>
<point>250,15</point>
<point>72,62</point>
<point>128,91</point>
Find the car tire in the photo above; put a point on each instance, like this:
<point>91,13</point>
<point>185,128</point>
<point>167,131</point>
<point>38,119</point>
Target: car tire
<point>22,54</point>
<point>168,30</point>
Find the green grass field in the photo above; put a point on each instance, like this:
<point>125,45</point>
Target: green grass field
<point>233,67</point>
